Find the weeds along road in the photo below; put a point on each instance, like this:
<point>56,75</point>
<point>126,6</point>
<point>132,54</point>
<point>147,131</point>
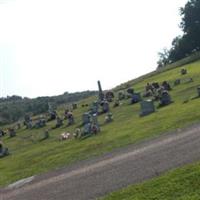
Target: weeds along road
<point>94,178</point>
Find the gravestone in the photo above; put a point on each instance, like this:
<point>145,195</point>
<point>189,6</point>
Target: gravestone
<point>109,96</point>
<point>86,129</point>
<point>18,125</point>
<point>3,150</point>
<point>198,91</point>
<point>166,85</point>
<point>86,118</point>
<point>2,133</point>
<point>77,133</point>
<point>109,118</point>
<point>74,106</point>
<point>29,125</point>
<point>11,132</point>
<point>105,107</point>
<point>40,123</point>
<point>27,118</point>
<point>183,71</point>
<point>53,115</point>
<point>177,82</point>
<point>91,125</point>
<point>46,135</point>
<point>121,96</point>
<point>136,97</point>
<point>155,85</point>
<point>70,118</point>
<point>59,122</point>
<point>130,90</point>
<point>165,99</point>
<point>188,80</point>
<point>147,107</point>
<point>116,104</point>
<point>94,125</point>
<point>27,121</point>
<point>94,107</point>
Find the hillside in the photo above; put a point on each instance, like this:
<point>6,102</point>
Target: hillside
<point>13,108</point>
<point>31,156</point>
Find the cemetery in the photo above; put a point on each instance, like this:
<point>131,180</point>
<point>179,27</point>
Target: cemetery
<point>112,119</point>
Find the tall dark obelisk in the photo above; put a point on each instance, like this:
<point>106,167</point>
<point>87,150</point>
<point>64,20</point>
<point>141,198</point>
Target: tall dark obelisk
<point>101,95</point>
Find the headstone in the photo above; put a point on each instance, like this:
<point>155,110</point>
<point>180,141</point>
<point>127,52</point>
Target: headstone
<point>53,115</point>
<point>147,107</point>
<point>3,150</point>
<point>165,98</point>
<point>183,71</point>
<point>130,91</point>
<point>121,96</point>
<point>105,107</point>
<point>27,122</point>
<point>11,132</point>
<point>188,80</point>
<point>94,107</point>
<point>109,118</point>
<point>136,97</point>
<point>86,118</point>
<point>149,87</point>
<point>198,91</point>
<point>166,85</point>
<point>27,118</point>
<point>59,122</point>
<point>70,118</point>
<point>40,123</point>
<point>18,125</point>
<point>109,96</point>
<point>74,106</point>
<point>2,133</point>
<point>77,133</point>
<point>156,85</point>
<point>90,123</point>
<point>29,125</point>
<point>116,104</point>
<point>45,135</point>
<point>177,82</point>
<point>95,125</point>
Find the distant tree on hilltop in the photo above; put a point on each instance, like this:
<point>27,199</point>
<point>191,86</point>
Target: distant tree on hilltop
<point>189,42</point>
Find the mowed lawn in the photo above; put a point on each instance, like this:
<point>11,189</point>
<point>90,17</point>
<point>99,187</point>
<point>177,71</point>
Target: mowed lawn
<point>29,156</point>
<point>180,184</point>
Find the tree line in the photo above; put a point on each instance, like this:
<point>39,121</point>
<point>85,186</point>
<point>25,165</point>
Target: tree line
<point>14,108</point>
<point>188,43</point>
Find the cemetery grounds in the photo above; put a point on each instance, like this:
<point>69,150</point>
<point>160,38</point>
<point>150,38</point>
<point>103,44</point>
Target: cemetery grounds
<point>29,156</point>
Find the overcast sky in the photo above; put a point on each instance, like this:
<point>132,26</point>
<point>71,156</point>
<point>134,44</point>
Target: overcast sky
<point>48,47</point>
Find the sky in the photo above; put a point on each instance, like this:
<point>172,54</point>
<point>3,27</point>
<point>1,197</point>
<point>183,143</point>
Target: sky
<point>48,47</point>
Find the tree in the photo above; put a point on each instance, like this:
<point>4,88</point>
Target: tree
<point>190,23</point>
<point>163,58</point>
<point>189,42</point>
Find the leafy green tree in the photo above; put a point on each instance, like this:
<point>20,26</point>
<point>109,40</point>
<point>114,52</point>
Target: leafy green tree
<point>189,42</point>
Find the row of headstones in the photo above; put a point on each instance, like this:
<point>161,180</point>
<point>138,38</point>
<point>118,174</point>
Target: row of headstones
<point>162,95</point>
<point>52,115</point>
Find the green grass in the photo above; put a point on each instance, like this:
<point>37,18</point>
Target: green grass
<point>179,184</point>
<point>29,156</point>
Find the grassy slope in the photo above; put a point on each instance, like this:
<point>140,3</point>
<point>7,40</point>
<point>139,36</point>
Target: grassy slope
<point>31,157</point>
<point>180,184</point>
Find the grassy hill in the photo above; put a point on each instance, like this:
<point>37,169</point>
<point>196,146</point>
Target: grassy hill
<point>181,184</point>
<point>29,156</point>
